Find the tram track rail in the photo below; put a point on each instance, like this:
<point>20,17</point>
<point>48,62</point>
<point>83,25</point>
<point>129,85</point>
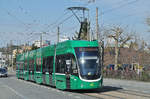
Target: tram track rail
<point>132,92</point>
<point>117,93</point>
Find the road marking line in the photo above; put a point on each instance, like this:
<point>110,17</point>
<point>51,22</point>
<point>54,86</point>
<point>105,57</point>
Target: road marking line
<point>145,91</point>
<point>63,92</point>
<point>77,97</point>
<point>69,94</point>
<point>13,90</point>
<point>57,90</point>
<point>37,85</point>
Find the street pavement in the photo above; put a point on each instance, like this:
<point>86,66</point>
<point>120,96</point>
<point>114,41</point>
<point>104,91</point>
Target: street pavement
<point>13,88</point>
<point>122,89</point>
<point>143,87</point>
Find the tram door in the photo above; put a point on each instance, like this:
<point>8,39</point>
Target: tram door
<point>50,66</point>
<point>68,67</point>
<point>63,70</point>
<point>71,68</point>
<point>47,70</point>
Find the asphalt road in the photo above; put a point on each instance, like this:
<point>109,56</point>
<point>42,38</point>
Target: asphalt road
<point>13,88</point>
<point>122,89</point>
<point>143,87</point>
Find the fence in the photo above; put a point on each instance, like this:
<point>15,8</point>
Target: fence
<point>127,74</point>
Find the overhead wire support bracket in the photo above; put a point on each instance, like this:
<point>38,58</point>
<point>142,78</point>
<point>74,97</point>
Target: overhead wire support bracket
<point>78,9</point>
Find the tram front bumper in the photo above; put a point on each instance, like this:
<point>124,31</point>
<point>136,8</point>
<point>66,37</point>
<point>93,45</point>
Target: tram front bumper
<point>77,83</point>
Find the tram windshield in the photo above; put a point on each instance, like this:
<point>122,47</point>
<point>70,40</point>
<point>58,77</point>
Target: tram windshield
<point>89,63</point>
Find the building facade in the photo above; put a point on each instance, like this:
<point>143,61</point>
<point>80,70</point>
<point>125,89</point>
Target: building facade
<point>2,60</point>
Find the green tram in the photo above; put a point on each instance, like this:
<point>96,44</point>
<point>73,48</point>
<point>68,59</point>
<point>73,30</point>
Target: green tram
<point>73,64</point>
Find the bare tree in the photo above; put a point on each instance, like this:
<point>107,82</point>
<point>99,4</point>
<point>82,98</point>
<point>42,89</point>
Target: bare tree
<point>121,38</point>
<point>148,22</point>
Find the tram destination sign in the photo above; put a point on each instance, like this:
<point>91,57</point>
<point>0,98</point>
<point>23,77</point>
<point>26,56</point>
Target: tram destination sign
<point>88,49</point>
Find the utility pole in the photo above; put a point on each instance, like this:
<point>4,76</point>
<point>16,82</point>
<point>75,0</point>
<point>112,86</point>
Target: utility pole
<point>101,46</point>
<point>7,59</point>
<point>11,50</point>
<point>58,33</point>
<point>97,26</point>
<point>41,40</point>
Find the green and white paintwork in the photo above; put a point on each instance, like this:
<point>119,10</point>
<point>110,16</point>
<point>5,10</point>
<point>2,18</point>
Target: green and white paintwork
<point>58,79</point>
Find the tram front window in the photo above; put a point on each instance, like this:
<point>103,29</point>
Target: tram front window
<point>89,64</point>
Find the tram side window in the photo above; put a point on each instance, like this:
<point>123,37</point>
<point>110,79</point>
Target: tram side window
<point>25,65</point>
<point>44,65</point>
<point>58,61</point>
<point>17,66</point>
<point>31,65</point>
<point>32,68</point>
<point>49,64</point>
<point>38,64</point>
<point>60,64</point>
<point>20,66</point>
<point>73,65</point>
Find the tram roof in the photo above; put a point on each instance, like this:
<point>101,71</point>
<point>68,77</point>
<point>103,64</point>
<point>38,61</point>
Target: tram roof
<point>65,44</point>
<point>77,43</point>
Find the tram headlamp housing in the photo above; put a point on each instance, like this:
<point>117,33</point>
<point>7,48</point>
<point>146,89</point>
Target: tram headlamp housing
<point>82,61</point>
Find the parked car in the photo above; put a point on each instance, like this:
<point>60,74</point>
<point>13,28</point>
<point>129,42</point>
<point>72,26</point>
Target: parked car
<point>3,72</point>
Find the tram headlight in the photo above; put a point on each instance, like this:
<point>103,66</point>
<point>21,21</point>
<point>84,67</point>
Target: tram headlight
<point>82,61</point>
<point>75,79</point>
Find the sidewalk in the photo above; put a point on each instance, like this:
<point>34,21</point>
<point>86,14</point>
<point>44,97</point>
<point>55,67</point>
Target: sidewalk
<point>128,84</point>
<point>11,71</point>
